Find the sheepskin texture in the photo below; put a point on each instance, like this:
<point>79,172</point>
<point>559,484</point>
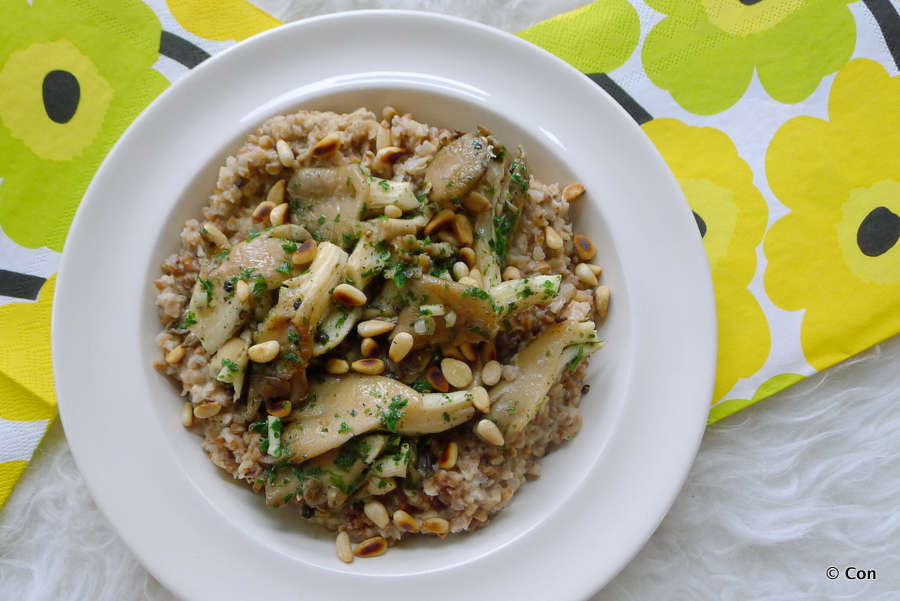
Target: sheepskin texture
<point>780,492</point>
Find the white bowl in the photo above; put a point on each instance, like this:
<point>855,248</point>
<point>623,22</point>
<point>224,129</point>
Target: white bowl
<point>600,496</point>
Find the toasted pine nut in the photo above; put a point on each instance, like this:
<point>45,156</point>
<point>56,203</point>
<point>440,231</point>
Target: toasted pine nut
<point>343,548</point>
<point>554,240</point>
<point>380,486</point>
<point>512,273</point>
<point>477,202</point>
<point>491,373</point>
<point>581,297</point>
<point>439,221</point>
<point>349,295</point>
<point>175,355</point>
<point>488,351</point>
<point>468,351</point>
<point>242,291</point>
<point>572,191</point>
<point>279,409</point>
<point>369,347</point>
<point>337,366</point>
<point>371,367</point>
<point>460,270</point>
<point>264,351</point>
<point>585,274</point>
<point>457,373</point>
<point>489,432</point>
<point>467,281</point>
<point>452,351</point>
<point>371,547</point>
<point>393,211</point>
<point>462,229</point>
<point>305,253</point>
<point>187,414</point>
<point>374,327</point>
<point>406,522</point>
<point>400,346</point>
<point>279,215</point>
<point>262,210</point>
<point>436,525</point>
<point>207,409</point>
<point>214,235</point>
<point>390,154</point>
<point>276,193</point>
<point>376,512</point>
<point>449,453</point>
<point>447,237</point>
<point>475,274</point>
<point>388,113</point>
<point>467,256</point>
<point>597,269</point>
<point>601,300</point>
<point>285,153</point>
<point>436,378</point>
<point>327,145</point>
<point>481,399</point>
<point>584,247</point>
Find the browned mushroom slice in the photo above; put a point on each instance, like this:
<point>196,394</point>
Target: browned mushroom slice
<point>457,169</point>
<point>514,403</point>
<point>474,318</point>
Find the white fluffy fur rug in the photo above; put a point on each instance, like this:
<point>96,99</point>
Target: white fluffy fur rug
<point>804,481</point>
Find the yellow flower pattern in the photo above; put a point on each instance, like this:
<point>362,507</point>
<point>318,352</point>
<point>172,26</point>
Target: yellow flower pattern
<point>731,214</point>
<point>836,254</point>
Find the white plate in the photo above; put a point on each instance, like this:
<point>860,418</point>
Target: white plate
<point>600,496</point>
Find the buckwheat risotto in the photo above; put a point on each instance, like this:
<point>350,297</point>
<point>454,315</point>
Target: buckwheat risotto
<point>380,324</point>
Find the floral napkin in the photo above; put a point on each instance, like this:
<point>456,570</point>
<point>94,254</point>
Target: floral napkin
<point>779,120</point>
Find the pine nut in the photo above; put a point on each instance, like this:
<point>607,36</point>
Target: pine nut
<point>436,525</point>
<point>460,270</point>
<point>279,409</point>
<point>390,154</point>
<point>349,295</point>
<point>388,113</point>
<point>489,432</point>
<point>343,548</point>
<point>262,210</point>
<point>477,202</point>
<point>491,373</point>
<point>467,281</point>
<point>393,211</point>
<point>439,221</point>
<point>400,346</point>
<point>337,366</point>
<point>572,191</point>
<point>207,409</point>
<point>374,327</point>
<point>279,215</point>
<point>468,351</point>
<point>512,273</point>
<point>462,229</point>
<point>481,399</point>
<point>406,522</point>
<point>452,351</point>
<point>187,414</point>
<point>369,347</point>
<point>383,138</point>
<point>327,145</point>
<point>424,262</point>
<point>175,355</point>
<point>449,454</point>
<point>475,274</point>
<point>242,291</point>
<point>554,240</point>
<point>436,378</point>
<point>450,319</point>
<point>584,247</point>
<point>215,236</point>
<point>601,300</point>
<point>264,351</point>
<point>305,253</point>
<point>447,237</point>
<point>467,256</point>
<point>285,154</point>
<point>376,512</point>
<point>585,274</point>
<point>276,193</point>
<point>372,367</point>
<point>488,351</point>
<point>457,373</point>
<point>371,547</point>
<point>595,268</point>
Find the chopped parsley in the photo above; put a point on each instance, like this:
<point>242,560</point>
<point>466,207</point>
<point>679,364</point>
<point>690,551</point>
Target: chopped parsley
<point>189,320</point>
<point>344,428</point>
<point>289,247</point>
<point>230,366</point>
<point>208,287</point>
<point>391,418</point>
<point>284,268</point>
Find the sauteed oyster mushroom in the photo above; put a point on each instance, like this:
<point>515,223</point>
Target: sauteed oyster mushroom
<point>380,323</point>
